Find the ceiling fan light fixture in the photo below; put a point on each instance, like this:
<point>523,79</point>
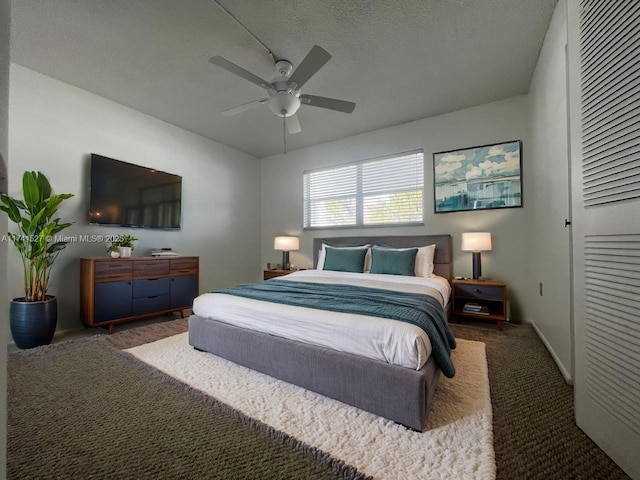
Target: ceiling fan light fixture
<point>284,91</point>
<point>284,104</point>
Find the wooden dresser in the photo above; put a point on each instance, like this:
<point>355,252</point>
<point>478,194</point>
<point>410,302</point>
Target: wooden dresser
<point>124,289</point>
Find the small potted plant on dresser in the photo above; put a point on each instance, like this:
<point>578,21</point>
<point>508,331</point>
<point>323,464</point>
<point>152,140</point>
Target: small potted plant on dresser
<point>122,246</point>
<point>113,251</point>
<point>33,318</point>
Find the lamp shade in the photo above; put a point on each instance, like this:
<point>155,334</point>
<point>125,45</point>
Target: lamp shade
<point>286,244</point>
<point>476,242</point>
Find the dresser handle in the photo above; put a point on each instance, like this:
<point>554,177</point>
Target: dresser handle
<point>476,290</point>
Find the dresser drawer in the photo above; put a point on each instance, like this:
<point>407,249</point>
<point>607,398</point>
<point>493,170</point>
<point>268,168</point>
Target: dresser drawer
<point>150,268</point>
<point>184,266</point>
<point>151,287</point>
<point>113,271</point>
<point>141,306</point>
<point>484,292</point>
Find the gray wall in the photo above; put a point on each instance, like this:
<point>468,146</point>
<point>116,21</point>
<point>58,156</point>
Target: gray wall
<point>5,20</point>
<point>494,122</point>
<point>549,172</point>
<point>54,128</point>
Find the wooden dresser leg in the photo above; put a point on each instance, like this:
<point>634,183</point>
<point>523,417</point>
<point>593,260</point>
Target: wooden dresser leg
<point>182,313</point>
<point>500,326</point>
<point>110,328</point>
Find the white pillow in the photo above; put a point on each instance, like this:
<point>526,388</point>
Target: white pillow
<point>424,259</point>
<point>323,254</point>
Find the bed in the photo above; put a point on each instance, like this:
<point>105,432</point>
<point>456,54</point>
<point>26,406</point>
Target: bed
<point>400,392</point>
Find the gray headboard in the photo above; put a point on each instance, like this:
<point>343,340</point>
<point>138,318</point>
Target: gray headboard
<point>443,260</point>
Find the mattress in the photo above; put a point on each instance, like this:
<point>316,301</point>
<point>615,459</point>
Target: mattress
<point>391,341</point>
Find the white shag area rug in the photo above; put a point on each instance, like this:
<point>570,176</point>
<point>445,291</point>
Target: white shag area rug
<point>458,444</point>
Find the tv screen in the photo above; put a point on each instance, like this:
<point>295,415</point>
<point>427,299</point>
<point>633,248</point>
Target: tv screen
<point>134,196</point>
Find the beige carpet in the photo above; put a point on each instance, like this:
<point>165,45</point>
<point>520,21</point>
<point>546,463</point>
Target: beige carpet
<point>459,443</point>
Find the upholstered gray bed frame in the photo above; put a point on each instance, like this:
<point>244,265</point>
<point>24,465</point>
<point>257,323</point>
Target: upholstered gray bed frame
<point>397,393</point>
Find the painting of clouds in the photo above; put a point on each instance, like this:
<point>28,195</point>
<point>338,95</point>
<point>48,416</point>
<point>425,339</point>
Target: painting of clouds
<point>478,178</point>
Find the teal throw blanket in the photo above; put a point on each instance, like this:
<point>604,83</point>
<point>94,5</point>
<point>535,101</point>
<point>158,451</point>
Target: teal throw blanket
<point>417,309</point>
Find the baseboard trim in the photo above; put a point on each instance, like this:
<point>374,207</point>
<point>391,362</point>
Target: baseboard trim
<point>565,373</point>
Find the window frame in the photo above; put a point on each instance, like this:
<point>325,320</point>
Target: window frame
<point>359,196</point>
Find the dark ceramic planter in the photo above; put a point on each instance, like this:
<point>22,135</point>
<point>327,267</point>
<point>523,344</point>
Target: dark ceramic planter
<point>33,323</point>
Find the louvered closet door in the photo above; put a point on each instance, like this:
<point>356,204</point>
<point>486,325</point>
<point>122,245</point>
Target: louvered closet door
<point>604,53</point>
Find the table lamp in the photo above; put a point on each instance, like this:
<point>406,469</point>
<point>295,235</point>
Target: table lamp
<point>476,242</point>
<point>286,244</point>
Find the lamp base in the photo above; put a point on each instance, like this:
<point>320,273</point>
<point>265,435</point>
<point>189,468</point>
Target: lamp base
<point>477,265</point>
<point>285,260</point>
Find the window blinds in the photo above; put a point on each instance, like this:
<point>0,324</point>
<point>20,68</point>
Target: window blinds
<point>379,191</point>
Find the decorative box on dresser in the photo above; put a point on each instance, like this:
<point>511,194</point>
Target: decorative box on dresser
<point>124,289</point>
<point>484,299</point>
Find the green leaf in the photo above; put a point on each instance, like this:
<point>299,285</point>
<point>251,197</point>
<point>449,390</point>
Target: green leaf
<point>52,205</point>
<point>17,241</point>
<point>26,226</point>
<point>43,185</point>
<point>36,219</point>
<point>30,191</point>
<point>11,209</point>
<point>59,227</point>
<point>56,247</point>
<point>54,202</point>
<point>20,204</point>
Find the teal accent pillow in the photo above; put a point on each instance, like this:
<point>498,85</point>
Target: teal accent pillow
<point>394,262</point>
<point>344,259</point>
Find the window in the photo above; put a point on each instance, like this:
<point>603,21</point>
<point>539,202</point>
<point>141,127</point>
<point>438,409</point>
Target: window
<point>382,191</point>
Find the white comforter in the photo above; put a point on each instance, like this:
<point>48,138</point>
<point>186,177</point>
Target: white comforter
<point>391,341</point>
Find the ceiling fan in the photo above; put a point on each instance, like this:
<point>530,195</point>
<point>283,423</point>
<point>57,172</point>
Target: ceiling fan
<point>284,91</point>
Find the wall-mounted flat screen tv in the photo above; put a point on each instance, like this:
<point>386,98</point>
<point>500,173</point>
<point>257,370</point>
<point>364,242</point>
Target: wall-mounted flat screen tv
<point>133,196</point>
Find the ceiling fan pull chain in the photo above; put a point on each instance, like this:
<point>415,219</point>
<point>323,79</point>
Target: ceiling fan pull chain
<point>284,132</point>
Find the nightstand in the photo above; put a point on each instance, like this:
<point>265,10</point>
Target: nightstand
<point>484,299</point>
<point>267,274</point>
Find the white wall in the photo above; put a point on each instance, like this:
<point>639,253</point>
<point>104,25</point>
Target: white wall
<point>549,173</point>
<point>54,127</point>
<point>5,20</point>
<point>494,122</point>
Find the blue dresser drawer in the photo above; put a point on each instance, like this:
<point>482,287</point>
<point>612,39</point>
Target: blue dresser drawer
<point>151,287</point>
<point>150,304</point>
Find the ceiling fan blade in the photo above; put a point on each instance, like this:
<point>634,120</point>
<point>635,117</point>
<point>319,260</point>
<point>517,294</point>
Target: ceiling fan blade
<point>293,124</point>
<point>241,72</point>
<point>313,62</point>
<point>330,103</point>
<point>245,107</point>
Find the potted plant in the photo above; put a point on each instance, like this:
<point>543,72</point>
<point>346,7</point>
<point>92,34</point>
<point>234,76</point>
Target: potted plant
<point>122,246</point>
<point>113,251</point>
<point>33,318</point>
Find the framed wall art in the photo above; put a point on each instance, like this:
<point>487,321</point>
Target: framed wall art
<point>478,178</point>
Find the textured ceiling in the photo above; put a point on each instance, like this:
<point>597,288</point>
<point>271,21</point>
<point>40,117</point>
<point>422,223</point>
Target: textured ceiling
<point>398,60</point>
